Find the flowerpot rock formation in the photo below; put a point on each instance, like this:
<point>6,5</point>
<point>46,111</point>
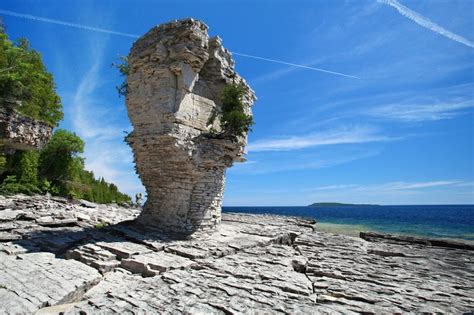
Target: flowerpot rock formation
<point>176,77</point>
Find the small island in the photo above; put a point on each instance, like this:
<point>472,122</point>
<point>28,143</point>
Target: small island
<point>338,204</point>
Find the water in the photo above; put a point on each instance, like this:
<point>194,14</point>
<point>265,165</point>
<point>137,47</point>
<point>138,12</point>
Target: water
<point>446,221</point>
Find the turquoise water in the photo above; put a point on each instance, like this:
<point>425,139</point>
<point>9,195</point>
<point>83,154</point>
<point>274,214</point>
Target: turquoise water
<point>443,221</point>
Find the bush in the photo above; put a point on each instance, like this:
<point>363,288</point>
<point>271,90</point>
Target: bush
<point>234,121</point>
<point>11,186</point>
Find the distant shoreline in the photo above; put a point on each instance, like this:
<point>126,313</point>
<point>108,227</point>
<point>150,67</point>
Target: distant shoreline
<point>430,221</point>
<point>338,204</point>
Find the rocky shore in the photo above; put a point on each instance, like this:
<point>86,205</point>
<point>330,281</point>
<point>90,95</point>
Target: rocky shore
<point>75,258</point>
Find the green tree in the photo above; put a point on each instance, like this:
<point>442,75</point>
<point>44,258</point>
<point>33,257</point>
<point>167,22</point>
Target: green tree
<point>25,166</point>
<point>60,160</point>
<point>23,77</point>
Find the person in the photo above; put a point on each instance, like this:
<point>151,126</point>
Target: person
<point>139,199</point>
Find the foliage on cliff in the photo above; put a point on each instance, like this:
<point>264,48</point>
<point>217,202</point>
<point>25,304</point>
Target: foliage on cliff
<point>124,69</point>
<point>58,169</point>
<point>234,121</point>
<point>24,77</point>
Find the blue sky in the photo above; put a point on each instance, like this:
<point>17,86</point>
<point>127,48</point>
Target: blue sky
<point>401,132</point>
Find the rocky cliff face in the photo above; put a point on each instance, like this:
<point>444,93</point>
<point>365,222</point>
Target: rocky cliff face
<point>18,132</point>
<point>177,74</point>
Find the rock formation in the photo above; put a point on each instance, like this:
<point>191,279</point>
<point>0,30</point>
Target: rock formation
<point>176,77</point>
<point>18,132</point>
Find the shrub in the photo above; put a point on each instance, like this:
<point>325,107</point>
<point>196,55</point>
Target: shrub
<point>101,225</point>
<point>124,70</point>
<point>3,163</point>
<point>234,121</point>
<point>11,186</point>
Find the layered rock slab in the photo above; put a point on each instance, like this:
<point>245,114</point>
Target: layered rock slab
<point>177,74</point>
<point>18,132</point>
<point>32,281</point>
<point>252,263</point>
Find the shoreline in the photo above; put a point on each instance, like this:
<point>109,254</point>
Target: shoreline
<point>436,222</point>
<point>354,230</point>
<point>251,262</point>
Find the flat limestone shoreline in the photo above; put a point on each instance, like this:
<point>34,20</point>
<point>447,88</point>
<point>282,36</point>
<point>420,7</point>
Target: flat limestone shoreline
<point>356,229</point>
<point>57,256</point>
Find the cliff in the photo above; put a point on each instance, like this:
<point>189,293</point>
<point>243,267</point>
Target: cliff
<point>19,132</point>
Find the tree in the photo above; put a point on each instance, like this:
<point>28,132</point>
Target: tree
<point>60,160</point>
<point>24,78</point>
<point>58,168</point>
<point>26,166</point>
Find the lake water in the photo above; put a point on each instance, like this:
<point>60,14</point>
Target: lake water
<point>444,221</point>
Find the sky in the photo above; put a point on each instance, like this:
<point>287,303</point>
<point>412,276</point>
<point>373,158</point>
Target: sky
<point>358,101</point>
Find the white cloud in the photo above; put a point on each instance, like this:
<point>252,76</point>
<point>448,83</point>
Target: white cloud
<point>416,185</point>
<point>421,112</point>
<point>331,187</point>
<point>348,135</point>
<point>389,187</point>
<point>275,163</point>
<point>95,121</point>
<point>426,23</point>
<point>399,192</point>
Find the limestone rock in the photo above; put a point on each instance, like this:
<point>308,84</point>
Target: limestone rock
<point>18,132</point>
<point>35,280</point>
<point>176,77</point>
<point>250,264</point>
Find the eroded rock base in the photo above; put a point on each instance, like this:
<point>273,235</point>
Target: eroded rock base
<point>263,264</point>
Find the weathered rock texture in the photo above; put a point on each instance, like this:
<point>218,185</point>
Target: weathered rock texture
<point>177,74</point>
<point>253,264</point>
<point>18,132</point>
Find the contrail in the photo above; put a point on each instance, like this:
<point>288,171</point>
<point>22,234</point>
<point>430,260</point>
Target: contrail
<point>295,65</point>
<point>101,30</point>
<point>425,22</point>
<point>83,27</point>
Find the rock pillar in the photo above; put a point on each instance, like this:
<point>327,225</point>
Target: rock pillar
<point>176,78</point>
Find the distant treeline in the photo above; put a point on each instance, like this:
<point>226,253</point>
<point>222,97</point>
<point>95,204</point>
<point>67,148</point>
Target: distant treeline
<point>57,169</point>
<point>338,204</point>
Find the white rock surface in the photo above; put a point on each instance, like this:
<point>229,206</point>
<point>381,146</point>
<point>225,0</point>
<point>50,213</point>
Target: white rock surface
<point>177,74</point>
<point>250,264</point>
